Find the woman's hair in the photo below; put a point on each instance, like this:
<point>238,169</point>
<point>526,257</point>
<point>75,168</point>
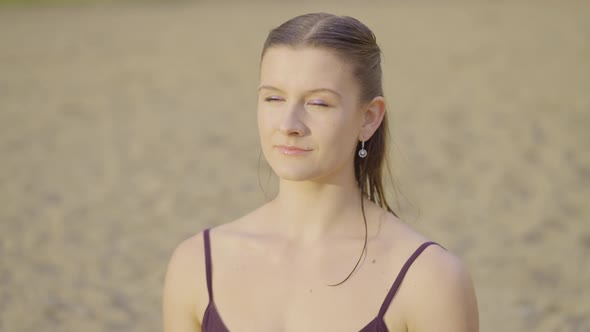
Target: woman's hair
<point>355,44</point>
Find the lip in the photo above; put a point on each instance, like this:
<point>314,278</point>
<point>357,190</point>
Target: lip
<point>292,150</point>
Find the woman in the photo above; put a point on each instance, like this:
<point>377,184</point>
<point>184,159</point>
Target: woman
<point>327,253</point>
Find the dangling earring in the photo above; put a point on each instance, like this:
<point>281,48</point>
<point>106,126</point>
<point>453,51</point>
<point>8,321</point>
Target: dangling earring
<point>362,151</point>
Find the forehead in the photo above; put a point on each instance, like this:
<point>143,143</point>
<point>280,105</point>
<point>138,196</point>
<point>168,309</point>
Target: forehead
<point>305,68</point>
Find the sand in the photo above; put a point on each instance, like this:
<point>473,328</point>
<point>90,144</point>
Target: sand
<point>125,129</point>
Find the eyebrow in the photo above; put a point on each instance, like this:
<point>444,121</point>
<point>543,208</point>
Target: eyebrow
<point>270,87</point>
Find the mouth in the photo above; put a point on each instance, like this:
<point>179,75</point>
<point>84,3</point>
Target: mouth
<point>292,150</point>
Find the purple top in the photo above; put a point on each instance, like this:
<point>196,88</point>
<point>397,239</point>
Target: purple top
<point>212,321</point>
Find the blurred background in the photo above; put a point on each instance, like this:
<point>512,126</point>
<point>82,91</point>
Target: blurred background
<point>128,126</point>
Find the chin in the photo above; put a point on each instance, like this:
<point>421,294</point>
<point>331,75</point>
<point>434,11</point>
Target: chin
<point>294,173</point>
<point>305,168</point>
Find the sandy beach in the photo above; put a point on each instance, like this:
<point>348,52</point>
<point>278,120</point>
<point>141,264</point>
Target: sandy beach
<point>125,129</point>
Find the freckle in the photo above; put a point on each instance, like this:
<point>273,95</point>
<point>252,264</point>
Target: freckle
<point>374,261</point>
<point>311,291</point>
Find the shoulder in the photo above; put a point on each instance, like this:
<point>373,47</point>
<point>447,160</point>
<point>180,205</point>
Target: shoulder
<point>185,292</point>
<point>438,267</point>
<point>437,293</point>
<point>187,257</point>
<point>442,293</point>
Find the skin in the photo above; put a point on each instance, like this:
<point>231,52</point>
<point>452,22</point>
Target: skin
<point>287,251</point>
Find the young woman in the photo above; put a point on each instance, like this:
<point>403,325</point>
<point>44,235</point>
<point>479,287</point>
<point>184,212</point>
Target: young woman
<point>327,253</point>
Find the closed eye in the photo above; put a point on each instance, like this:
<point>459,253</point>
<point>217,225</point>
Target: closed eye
<point>273,98</point>
<point>318,103</point>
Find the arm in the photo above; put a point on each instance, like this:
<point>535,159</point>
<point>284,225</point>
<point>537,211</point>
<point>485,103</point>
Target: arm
<point>180,289</point>
<point>444,297</point>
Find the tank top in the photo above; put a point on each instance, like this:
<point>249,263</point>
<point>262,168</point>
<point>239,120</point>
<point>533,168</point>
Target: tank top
<point>212,321</point>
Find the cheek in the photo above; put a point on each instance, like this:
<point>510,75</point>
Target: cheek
<point>265,125</point>
<point>339,137</point>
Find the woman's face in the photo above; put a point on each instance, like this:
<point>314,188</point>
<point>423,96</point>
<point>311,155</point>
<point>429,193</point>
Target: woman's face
<point>309,115</point>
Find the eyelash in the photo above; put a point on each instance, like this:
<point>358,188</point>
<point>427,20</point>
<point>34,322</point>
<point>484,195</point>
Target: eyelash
<point>274,98</point>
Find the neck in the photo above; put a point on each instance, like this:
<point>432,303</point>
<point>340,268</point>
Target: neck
<point>308,211</point>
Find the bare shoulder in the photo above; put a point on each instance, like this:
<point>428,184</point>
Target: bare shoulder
<point>184,285</point>
<point>439,293</point>
<point>438,268</point>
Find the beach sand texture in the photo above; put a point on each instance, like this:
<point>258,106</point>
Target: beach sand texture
<point>125,129</point>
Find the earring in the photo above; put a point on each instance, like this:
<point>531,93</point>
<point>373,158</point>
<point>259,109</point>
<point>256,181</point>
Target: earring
<point>362,151</point>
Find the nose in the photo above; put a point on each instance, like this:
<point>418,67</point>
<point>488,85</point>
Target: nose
<point>291,122</point>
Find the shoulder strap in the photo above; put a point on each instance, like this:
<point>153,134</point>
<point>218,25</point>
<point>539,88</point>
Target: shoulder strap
<point>400,277</point>
<point>208,264</point>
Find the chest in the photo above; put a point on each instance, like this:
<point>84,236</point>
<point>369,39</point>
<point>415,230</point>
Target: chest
<point>256,291</point>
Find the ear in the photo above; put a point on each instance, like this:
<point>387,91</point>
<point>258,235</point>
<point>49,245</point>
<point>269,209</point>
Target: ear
<point>372,117</point>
